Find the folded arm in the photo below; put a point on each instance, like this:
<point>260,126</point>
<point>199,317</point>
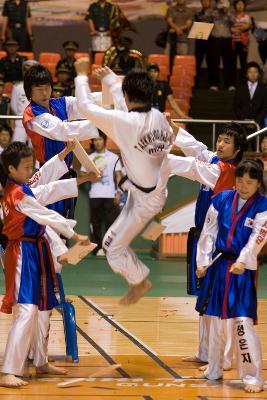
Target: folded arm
<point>206,243</point>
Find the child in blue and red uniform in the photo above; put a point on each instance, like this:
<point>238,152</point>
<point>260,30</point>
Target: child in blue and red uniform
<point>50,123</point>
<point>236,226</point>
<point>31,282</point>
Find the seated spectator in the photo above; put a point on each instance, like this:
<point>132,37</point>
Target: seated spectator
<point>4,105</point>
<point>11,65</point>
<point>70,47</point>
<point>220,46</point>
<point>162,92</point>
<point>251,97</point>
<point>179,19</point>
<point>63,80</point>
<point>5,137</point>
<point>201,46</point>
<point>104,197</point>
<point>240,33</point>
<point>121,59</point>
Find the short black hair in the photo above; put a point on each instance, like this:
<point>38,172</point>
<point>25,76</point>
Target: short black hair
<point>154,66</point>
<point>237,1</point>
<point>238,132</point>
<point>253,167</point>
<point>12,155</point>
<point>7,128</point>
<point>138,86</point>
<point>253,64</point>
<point>35,76</point>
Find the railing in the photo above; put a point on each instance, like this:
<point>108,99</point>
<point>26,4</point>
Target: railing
<point>213,122</point>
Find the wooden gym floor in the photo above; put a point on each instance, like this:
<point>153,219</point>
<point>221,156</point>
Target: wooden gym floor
<point>148,339</point>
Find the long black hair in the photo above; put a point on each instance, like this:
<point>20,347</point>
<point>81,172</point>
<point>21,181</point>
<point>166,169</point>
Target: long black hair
<point>35,76</point>
<point>12,155</point>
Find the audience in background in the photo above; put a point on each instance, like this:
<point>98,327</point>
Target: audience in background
<point>57,91</point>
<point>260,34</point>
<point>240,37</point>
<point>201,46</point>
<point>70,47</point>
<point>5,136</point>
<point>179,19</point>
<point>4,104</point>
<point>162,92</point>
<point>11,65</point>
<point>64,80</point>
<point>16,23</point>
<point>104,197</point>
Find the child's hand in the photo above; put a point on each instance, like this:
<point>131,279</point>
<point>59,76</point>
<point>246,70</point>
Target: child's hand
<point>62,260</point>
<point>237,268</point>
<point>82,66</point>
<point>69,147</point>
<point>201,272</point>
<point>81,238</point>
<point>88,177</point>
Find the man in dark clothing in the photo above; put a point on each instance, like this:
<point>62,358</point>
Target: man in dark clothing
<point>162,92</point>
<point>4,105</point>
<point>11,65</point>
<point>251,96</point>
<point>67,62</point>
<point>17,23</point>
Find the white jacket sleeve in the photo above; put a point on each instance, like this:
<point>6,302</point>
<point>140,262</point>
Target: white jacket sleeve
<point>51,171</point>
<point>257,240</point>
<point>14,100</point>
<point>191,147</point>
<point>192,168</point>
<point>52,127</point>
<point>29,206</point>
<point>55,191</point>
<point>57,245</point>
<point>72,108</point>
<point>206,242</point>
<point>105,120</point>
<point>114,84</point>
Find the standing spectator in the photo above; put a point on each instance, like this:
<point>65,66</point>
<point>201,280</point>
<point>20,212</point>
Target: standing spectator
<point>251,97</point>
<point>101,15</point>
<point>17,23</point>
<point>240,31</point>
<point>263,156</point>
<point>260,33</point>
<point>104,197</point>
<point>179,19</point>
<point>70,47</point>
<point>4,105</point>
<point>201,46</point>
<point>162,92</point>
<point>220,46</point>
<point>18,104</point>
<point>11,65</point>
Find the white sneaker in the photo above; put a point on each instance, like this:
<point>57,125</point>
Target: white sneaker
<point>214,88</point>
<point>100,253</point>
<point>231,88</point>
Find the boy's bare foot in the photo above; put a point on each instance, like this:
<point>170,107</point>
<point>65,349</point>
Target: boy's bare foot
<point>203,367</point>
<point>136,292</point>
<point>253,388</point>
<point>192,359</point>
<point>200,375</point>
<point>8,380</point>
<point>51,369</point>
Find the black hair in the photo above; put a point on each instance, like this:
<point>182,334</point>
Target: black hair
<point>253,167</point>
<point>253,64</point>
<point>238,132</point>
<point>35,76</point>
<point>237,1</point>
<point>152,66</point>
<point>103,136</point>
<point>12,155</point>
<point>7,128</point>
<point>138,86</point>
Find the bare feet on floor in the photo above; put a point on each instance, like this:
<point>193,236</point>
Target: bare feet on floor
<point>8,380</point>
<point>203,367</point>
<point>200,375</point>
<point>192,359</point>
<point>51,369</point>
<point>136,292</point>
<point>253,388</point>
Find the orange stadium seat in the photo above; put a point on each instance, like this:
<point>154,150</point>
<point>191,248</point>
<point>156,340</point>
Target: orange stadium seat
<point>181,92</point>
<point>185,81</point>
<point>98,58</point>
<point>160,59</point>
<point>187,60</point>
<point>182,103</point>
<point>164,73</point>
<point>50,60</point>
<point>111,145</point>
<point>2,54</point>
<point>28,54</point>
<point>80,55</point>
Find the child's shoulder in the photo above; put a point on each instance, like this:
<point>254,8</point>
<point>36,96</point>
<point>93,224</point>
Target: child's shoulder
<point>219,199</point>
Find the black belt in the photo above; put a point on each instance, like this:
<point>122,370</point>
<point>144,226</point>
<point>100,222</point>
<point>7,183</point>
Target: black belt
<point>145,190</point>
<point>228,255</point>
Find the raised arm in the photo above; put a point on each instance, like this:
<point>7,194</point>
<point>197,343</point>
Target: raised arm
<point>55,191</point>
